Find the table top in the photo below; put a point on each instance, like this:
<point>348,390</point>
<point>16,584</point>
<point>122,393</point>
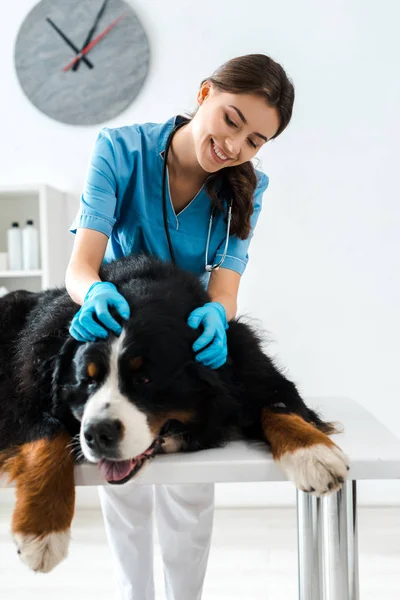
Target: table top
<point>374,453</point>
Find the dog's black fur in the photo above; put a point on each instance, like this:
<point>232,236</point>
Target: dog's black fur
<point>41,390</point>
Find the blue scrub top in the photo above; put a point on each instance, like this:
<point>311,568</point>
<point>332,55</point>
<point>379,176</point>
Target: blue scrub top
<point>122,198</point>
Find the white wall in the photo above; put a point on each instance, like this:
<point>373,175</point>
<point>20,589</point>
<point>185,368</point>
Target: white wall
<point>324,270</point>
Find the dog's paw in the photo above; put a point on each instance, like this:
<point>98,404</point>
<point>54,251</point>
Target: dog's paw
<point>319,469</point>
<point>43,553</point>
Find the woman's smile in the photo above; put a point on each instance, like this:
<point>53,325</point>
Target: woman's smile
<point>217,154</point>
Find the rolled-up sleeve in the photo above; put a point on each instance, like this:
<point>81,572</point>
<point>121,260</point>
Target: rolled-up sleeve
<point>98,201</point>
<point>237,255</point>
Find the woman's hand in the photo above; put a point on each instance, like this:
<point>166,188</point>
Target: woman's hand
<point>213,318</point>
<point>101,295</point>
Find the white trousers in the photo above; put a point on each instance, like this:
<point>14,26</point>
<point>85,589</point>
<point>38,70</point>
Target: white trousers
<point>184,515</point>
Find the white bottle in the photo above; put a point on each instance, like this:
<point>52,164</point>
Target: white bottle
<point>30,247</point>
<point>14,247</point>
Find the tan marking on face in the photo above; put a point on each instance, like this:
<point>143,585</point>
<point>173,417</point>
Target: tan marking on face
<point>43,472</point>
<point>136,363</point>
<point>157,422</point>
<point>288,433</point>
<point>122,430</point>
<point>92,369</point>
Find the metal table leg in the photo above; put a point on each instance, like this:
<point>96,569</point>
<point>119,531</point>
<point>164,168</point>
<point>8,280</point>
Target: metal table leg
<point>340,544</point>
<point>309,529</point>
<point>328,545</point>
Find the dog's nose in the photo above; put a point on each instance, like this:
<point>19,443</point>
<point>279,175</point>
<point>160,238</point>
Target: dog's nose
<point>103,436</point>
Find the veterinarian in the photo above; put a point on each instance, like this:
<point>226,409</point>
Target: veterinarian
<point>185,191</point>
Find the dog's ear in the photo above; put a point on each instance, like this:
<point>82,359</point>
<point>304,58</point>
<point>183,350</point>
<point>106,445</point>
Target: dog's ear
<point>115,315</point>
<point>63,378</point>
<point>193,334</point>
<point>208,389</point>
<point>209,379</point>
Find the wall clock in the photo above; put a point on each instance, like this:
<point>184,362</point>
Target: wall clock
<point>81,62</point>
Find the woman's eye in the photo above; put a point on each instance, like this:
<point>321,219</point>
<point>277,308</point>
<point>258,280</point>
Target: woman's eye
<point>229,121</point>
<point>232,124</point>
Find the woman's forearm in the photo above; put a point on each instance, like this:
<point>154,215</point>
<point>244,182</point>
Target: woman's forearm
<point>228,302</point>
<point>78,279</point>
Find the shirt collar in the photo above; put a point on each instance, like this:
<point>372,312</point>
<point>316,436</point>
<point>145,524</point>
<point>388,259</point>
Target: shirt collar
<point>166,130</point>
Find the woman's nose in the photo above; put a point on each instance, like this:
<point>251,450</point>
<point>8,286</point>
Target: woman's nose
<point>233,146</point>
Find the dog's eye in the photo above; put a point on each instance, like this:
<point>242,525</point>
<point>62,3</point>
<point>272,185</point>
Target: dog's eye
<point>142,378</point>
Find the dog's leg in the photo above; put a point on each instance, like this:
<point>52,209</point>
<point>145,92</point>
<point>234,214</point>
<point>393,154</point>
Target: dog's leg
<point>308,456</point>
<point>43,472</point>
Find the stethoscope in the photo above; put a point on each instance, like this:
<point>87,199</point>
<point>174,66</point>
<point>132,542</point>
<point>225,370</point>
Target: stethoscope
<point>207,266</point>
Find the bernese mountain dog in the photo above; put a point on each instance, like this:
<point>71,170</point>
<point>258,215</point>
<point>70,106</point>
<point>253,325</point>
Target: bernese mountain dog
<point>118,402</point>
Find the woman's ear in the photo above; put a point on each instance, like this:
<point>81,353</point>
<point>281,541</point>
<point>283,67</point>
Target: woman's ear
<point>203,92</point>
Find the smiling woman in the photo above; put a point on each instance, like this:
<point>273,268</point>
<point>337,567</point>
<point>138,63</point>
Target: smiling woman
<point>105,36</point>
<point>184,191</point>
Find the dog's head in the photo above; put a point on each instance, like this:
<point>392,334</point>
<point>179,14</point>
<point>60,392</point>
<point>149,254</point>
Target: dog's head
<point>126,391</point>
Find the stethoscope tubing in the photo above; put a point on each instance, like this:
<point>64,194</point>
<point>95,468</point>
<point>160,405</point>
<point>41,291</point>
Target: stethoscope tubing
<point>208,267</point>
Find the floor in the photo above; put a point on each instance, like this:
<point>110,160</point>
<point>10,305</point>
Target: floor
<point>263,568</point>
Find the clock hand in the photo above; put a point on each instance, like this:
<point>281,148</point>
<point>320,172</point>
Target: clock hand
<point>91,32</point>
<point>68,41</point>
<point>92,44</point>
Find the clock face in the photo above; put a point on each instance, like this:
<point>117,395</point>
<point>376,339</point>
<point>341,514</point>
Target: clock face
<point>86,88</point>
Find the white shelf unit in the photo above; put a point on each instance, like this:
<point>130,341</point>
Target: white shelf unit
<point>47,207</point>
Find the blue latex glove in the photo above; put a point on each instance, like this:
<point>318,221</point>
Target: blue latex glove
<point>213,318</point>
<point>99,297</point>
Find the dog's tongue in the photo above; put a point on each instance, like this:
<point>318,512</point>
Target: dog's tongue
<point>114,470</point>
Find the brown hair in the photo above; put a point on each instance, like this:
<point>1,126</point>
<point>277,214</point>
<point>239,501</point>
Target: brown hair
<point>251,74</point>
